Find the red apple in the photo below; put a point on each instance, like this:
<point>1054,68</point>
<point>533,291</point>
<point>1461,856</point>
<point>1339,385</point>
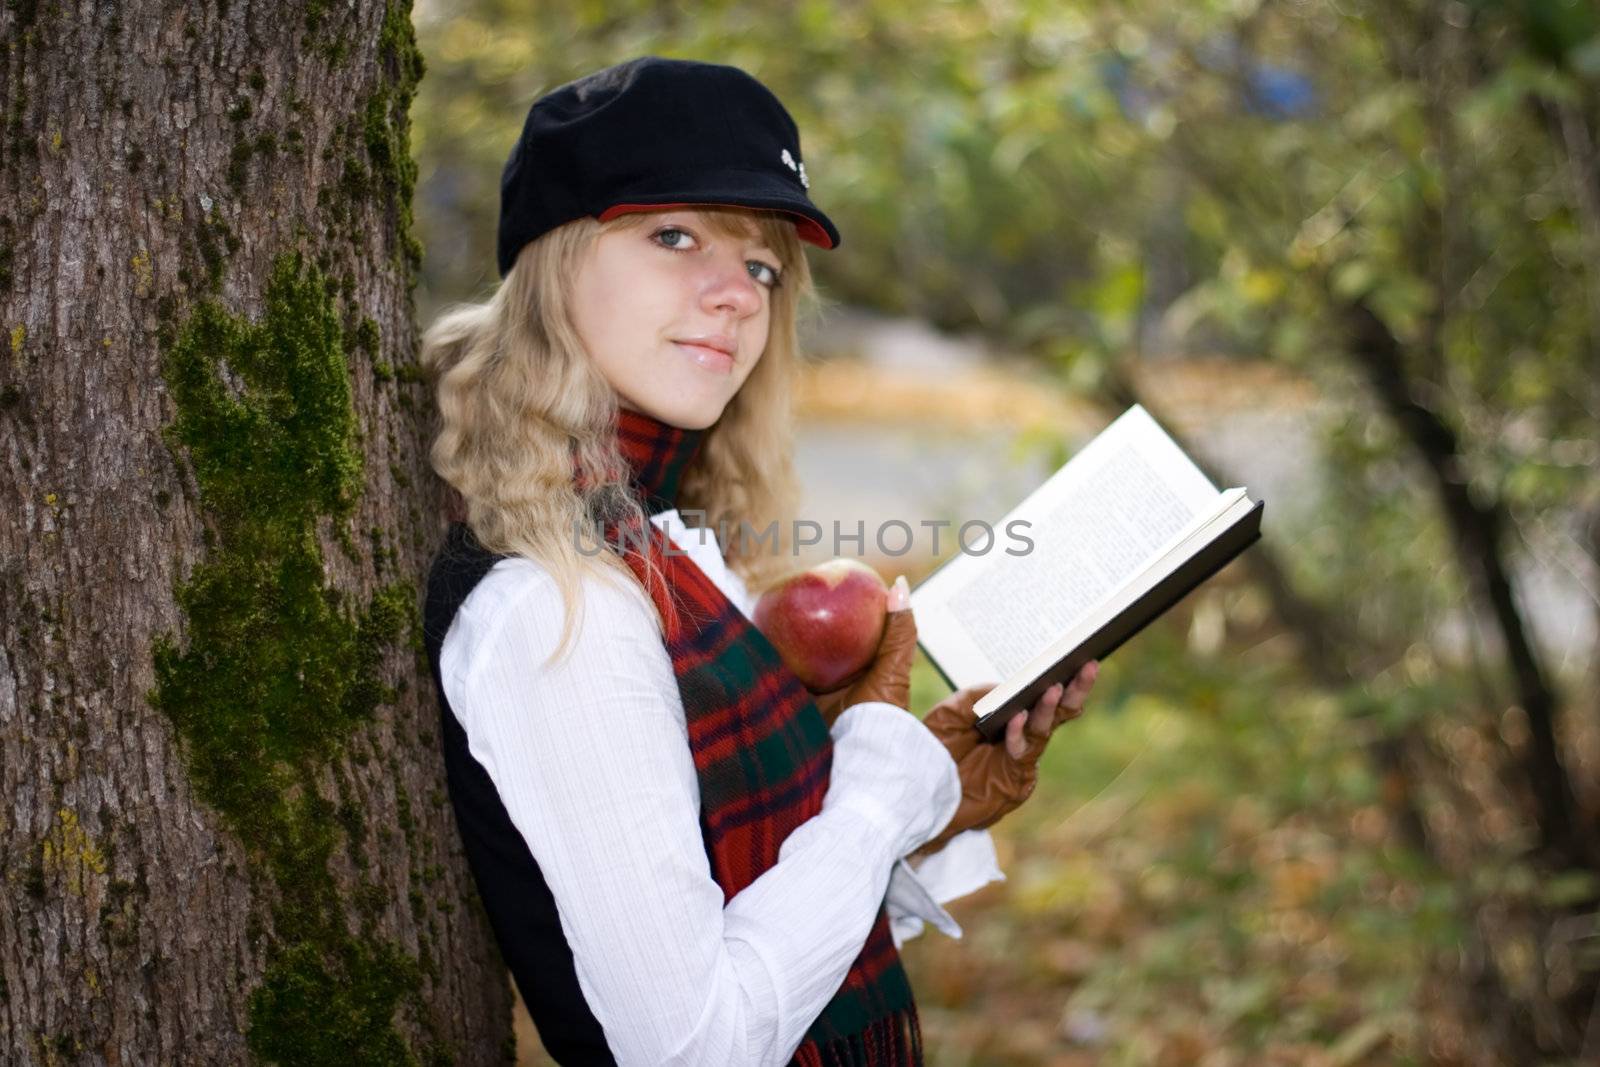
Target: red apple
<point>826,622</point>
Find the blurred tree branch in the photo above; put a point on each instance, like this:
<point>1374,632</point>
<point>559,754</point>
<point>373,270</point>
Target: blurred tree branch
<point>1479,531</point>
<point>1477,526</point>
<point>1337,659</point>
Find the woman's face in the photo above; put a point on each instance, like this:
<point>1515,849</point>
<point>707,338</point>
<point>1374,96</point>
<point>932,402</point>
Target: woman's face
<point>675,312</point>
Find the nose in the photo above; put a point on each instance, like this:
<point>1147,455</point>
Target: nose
<point>728,287</point>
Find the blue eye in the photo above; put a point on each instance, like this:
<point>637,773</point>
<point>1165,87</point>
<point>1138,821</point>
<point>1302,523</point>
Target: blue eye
<point>674,238</point>
<point>764,273</point>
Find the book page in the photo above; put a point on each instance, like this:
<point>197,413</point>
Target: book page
<point>1234,508</point>
<point>1095,523</point>
<point>1085,547</point>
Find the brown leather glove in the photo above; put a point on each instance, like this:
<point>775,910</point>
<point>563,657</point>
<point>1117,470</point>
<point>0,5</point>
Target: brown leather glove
<point>993,781</point>
<point>889,677</point>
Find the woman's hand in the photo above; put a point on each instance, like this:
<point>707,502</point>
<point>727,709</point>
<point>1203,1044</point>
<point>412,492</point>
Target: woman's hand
<point>996,778</point>
<point>1028,734</point>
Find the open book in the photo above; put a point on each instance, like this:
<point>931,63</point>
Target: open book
<point>1118,535</point>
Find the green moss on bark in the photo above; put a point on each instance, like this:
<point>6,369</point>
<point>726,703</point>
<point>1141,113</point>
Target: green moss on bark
<point>279,667</point>
<point>386,122</point>
<point>307,1011</point>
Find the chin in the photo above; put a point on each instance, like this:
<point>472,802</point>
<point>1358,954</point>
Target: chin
<point>701,419</point>
<point>687,416</point>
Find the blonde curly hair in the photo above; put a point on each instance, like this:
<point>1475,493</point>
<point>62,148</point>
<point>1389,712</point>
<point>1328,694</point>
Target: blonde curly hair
<point>519,400</point>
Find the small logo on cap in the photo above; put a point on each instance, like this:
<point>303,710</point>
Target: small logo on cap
<point>798,168</point>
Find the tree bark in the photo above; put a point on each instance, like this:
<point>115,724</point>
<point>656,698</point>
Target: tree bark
<point>225,835</point>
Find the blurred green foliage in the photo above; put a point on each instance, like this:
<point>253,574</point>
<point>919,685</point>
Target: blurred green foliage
<point>1205,872</point>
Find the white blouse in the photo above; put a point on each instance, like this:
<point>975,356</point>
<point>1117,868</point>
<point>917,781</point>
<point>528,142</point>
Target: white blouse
<point>591,758</point>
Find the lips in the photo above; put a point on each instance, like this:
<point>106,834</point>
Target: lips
<point>712,354</point>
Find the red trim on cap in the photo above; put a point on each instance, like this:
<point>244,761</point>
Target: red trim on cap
<point>807,229</point>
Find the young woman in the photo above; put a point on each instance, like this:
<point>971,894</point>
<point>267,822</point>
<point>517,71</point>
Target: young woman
<point>685,857</point>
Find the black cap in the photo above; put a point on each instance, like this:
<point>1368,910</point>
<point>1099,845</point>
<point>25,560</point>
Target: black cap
<point>648,134</point>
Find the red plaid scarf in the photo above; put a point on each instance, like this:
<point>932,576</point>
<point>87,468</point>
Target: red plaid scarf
<point>761,749</point>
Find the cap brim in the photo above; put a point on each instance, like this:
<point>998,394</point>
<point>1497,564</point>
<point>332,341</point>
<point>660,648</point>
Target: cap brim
<point>811,225</point>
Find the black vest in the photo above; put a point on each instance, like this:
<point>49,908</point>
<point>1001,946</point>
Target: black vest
<point>515,896</point>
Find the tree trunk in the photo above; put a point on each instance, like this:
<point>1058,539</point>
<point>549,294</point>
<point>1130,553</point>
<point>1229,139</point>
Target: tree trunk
<point>225,835</point>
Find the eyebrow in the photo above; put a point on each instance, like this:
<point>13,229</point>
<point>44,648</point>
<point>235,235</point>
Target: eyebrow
<point>731,226</point>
